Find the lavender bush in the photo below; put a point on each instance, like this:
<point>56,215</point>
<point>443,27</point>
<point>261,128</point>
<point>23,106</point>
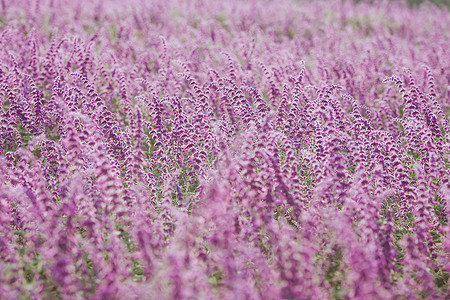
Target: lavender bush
<point>224,149</point>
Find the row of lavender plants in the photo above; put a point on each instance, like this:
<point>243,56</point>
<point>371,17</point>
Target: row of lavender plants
<point>224,149</point>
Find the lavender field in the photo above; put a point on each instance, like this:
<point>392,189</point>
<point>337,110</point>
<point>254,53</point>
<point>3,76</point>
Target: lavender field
<point>241,149</point>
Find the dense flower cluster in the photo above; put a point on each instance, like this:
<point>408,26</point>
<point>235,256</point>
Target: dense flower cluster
<point>224,149</point>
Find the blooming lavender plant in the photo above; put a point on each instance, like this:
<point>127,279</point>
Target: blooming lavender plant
<point>224,150</point>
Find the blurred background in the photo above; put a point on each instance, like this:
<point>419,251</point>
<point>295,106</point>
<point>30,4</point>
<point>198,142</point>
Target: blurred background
<point>417,3</point>
<point>436,2</point>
